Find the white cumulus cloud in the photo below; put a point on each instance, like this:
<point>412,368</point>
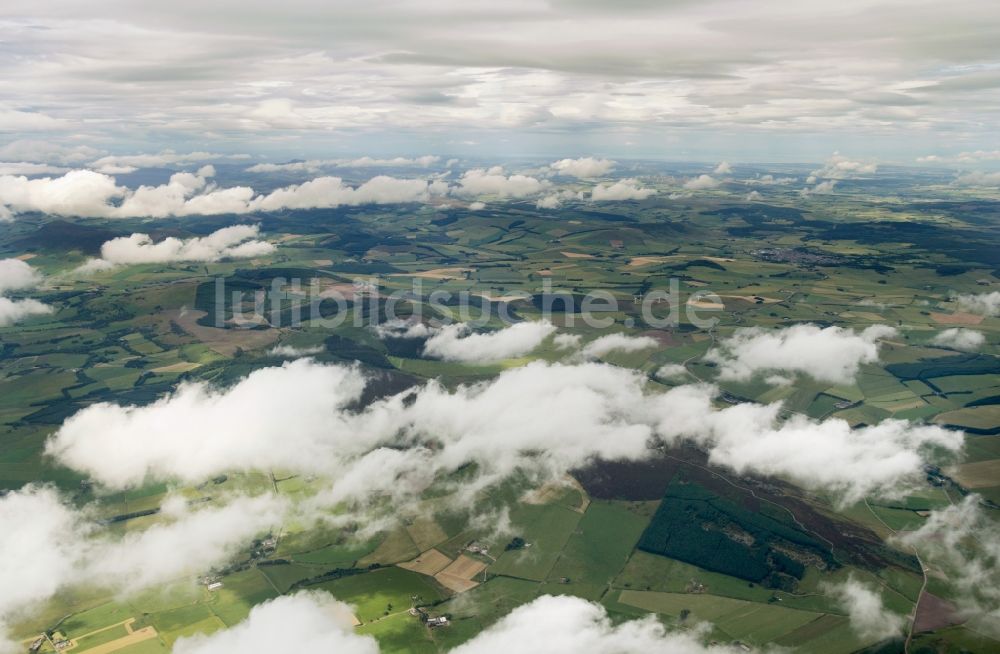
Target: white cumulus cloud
<point>292,352</point>
<point>517,421</point>
<point>625,189</point>
<point>34,554</point>
<point>671,371</point>
<point>986,304</point>
<point>316,165</point>
<point>821,188</point>
<point>964,542</point>
<point>315,622</point>
<point>604,345</point>
<point>555,200</point>
<point>986,179</point>
<point>584,167</point>
<point>882,459</point>
<point>458,343</point>
<point>701,182</point>
<point>869,616</point>
<point>840,167</point>
<point>198,431</point>
<point>236,242</point>
<point>958,338</point>
<point>116,164</point>
<point>77,193</point>
<point>570,625</point>
<point>12,311</point>
<point>47,546</point>
<point>546,625</point>
<point>328,192</point>
<point>399,328</point>
<point>831,354</point>
<point>16,275</point>
<point>91,194</point>
<point>494,182</point>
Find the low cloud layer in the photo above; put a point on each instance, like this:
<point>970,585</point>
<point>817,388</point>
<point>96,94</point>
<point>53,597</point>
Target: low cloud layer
<point>197,431</point>
<point>701,182</point>
<point>47,546</point>
<point>978,178</point>
<point>671,371</point>
<point>968,340</point>
<point>97,194</point>
<point>570,625</point>
<point>626,189</point>
<point>821,188</point>
<point>92,194</point>
<point>458,343</point>
<point>870,619</point>
<point>329,192</point>
<point>583,168</point>
<point>549,625</point>
<point>316,165</point>
<point>292,352</point>
<point>495,182</point>
<point>986,304</point>
<point>964,543</point>
<point>315,622</point>
<point>77,193</point>
<point>13,311</point>
<point>517,421</point>
<point>609,343</point>
<point>884,459</point>
<point>399,328</point>
<point>832,354</point>
<point>16,275</point>
<point>118,164</point>
<point>556,199</point>
<point>840,167</point>
<point>34,557</point>
<point>968,157</point>
<point>236,242</point>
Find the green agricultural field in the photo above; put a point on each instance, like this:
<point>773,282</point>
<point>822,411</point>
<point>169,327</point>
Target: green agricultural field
<point>677,533</point>
<point>602,542</point>
<point>241,591</point>
<point>978,420</point>
<point>383,592</point>
<point>401,632</point>
<point>545,529</point>
<point>752,622</point>
<point>396,545</point>
<point>283,577</point>
<point>650,572</point>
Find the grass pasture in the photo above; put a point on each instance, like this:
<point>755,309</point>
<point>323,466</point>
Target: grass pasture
<point>752,622</point>
<point>602,542</point>
<point>383,592</point>
<point>545,528</point>
<point>979,474</point>
<point>979,419</point>
<point>240,592</point>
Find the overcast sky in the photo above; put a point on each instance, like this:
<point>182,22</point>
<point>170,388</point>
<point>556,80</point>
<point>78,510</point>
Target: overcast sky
<point>674,79</point>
